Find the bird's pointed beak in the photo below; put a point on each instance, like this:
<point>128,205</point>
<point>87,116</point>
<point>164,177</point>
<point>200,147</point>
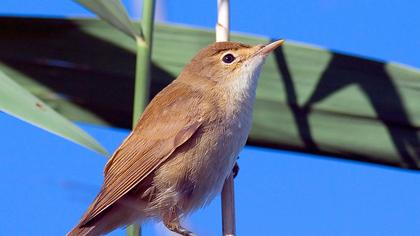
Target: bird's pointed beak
<point>266,49</point>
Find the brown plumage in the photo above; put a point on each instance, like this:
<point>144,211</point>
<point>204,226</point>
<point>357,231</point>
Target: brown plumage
<point>184,145</point>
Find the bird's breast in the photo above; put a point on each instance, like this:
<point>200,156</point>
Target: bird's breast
<point>228,137</point>
<point>197,171</point>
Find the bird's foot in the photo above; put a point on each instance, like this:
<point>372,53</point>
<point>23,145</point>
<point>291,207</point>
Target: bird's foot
<point>171,221</point>
<point>177,228</point>
<point>235,170</point>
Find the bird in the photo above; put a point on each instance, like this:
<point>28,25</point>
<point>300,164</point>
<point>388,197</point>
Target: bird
<point>184,145</point>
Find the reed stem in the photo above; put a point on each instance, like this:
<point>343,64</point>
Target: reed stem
<point>143,72</point>
<point>228,194</point>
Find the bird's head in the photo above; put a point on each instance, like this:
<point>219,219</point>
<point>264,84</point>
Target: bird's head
<point>226,63</point>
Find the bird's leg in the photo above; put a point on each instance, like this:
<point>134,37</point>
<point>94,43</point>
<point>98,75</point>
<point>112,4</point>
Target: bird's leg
<point>235,169</point>
<point>171,221</point>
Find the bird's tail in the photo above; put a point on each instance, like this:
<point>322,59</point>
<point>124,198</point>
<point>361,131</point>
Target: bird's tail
<point>118,215</point>
<point>83,231</point>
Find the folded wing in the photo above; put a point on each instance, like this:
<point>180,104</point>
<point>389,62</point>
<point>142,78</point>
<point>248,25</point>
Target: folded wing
<point>164,126</point>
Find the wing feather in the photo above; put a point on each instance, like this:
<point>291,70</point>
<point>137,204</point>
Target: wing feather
<point>164,126</point>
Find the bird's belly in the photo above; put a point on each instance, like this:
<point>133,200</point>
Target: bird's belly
<point>213,168</point>
<point>196,173</point>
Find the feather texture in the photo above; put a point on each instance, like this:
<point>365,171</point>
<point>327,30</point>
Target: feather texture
<point>163,127</point>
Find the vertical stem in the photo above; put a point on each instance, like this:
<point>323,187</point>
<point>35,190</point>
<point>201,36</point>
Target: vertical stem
<point>144,52</point>
<point>228,194</point>
<point>222,26</point>
<point>133,230</point>
<point>228,207</point>
<point>142,80</point>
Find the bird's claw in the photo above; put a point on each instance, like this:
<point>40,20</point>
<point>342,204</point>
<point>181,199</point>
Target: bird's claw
<point>235,170</point>
<point>172,223</point>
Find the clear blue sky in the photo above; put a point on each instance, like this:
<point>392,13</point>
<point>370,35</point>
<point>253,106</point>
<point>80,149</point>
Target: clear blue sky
<point>47,183</point>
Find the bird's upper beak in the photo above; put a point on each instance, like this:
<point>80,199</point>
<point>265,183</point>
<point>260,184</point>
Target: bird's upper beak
<point>266,49</point>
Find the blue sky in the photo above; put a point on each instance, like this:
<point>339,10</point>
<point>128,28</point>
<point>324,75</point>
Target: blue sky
<point>48,182</point>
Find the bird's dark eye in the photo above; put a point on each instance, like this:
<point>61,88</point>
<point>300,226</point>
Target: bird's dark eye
<point>228,58</point>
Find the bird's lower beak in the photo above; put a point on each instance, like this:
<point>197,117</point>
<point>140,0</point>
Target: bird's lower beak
<point>266,49</point>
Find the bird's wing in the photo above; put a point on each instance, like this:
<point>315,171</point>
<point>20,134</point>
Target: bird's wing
<point>164,126</point>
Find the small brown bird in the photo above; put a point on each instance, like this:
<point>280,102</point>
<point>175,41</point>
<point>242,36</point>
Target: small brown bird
<point>185,144</point>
